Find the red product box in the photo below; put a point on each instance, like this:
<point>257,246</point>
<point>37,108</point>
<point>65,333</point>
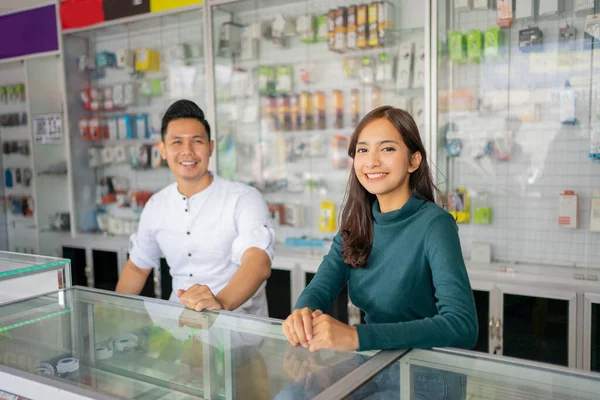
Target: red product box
<point>84,129</point>
<point>80,13</point>
<point>98,128</point>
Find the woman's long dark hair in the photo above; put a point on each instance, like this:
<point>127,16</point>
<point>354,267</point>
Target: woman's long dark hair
<point>357,215</point>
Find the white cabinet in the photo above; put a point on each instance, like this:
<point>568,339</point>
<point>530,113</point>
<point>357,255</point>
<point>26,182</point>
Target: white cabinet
<point>591,332</point>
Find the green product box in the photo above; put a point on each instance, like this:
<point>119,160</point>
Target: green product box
<point>21,91</point>
<point>266,79</point>
<point>457,44</point>
<point>311,26</point>
<point>474,45</point>
<point>10,92</point>
<point>483,216</point>
<point>3,95</point>
<point>322,28</point>
<point>493,42</point>
<point>157,88</point>
<point>285,79</point>
<point>146,88</point>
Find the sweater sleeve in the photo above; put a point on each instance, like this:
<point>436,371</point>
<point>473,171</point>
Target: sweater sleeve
<point>455,325</point>
<point>328,282</point>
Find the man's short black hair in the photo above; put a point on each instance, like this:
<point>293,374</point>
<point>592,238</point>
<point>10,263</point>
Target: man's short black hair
<point>183,109</point>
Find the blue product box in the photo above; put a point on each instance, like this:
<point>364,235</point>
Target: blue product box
<point>141,126</point>
<point>126,127</point>
<point>105,59</point>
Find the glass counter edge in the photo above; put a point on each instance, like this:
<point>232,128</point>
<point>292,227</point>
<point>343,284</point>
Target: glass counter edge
<point>36,263</point>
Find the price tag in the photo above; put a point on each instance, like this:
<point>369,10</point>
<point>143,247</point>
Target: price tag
<point>48,128</point>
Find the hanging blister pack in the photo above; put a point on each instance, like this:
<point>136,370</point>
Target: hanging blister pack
<point>531,40</point>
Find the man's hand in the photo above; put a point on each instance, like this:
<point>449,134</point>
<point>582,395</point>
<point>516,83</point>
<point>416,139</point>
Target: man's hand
<point>298,327</point>
<point>199,297</point>
<point>329,333</point>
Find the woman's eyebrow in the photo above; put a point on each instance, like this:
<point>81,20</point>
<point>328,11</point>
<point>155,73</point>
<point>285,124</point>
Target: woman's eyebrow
<point>381,142</point>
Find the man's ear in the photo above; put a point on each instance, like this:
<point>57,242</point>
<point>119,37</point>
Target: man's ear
<point>163,152</point>
<point>415,162</point>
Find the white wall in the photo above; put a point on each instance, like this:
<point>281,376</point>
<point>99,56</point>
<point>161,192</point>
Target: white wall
<point>14,5</point>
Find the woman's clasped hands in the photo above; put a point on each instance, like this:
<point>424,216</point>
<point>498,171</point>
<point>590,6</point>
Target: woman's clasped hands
<point>316,331</point>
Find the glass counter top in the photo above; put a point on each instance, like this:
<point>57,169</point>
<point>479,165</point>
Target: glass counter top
<point>18,264</point>
<point>106,344</point>
<point>103,345</point>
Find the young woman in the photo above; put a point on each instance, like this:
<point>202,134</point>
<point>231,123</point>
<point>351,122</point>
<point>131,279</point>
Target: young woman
<point>396,249</point>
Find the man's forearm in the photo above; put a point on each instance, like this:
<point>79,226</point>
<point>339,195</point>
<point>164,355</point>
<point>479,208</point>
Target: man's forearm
<point>253,271</point>
<point>132,279</point>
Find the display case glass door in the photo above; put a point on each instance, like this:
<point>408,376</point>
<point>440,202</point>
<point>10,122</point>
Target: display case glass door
<point>591,332</point>
<point>483,295</point>
<point>537,324</point>
<point>514,115</point>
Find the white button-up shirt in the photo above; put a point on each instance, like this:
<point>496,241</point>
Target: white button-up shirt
<point>204,237</point>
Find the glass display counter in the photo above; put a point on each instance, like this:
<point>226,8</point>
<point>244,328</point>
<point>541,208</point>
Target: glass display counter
<point>81,343</point>
<point>23,275</point>
<point>94,344</point>
<point>475,376</point>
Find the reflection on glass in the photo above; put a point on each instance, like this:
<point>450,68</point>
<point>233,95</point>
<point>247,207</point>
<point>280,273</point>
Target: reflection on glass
<point>447,375</point>
<point>135,347</point>
<point>427,383</point>
<point>536,328</point>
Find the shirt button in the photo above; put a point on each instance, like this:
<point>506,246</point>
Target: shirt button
<point>184,198</point>
<point>186,210</point>
<point>189,254</point>
<point>190,274</point>
<point>188,233</point>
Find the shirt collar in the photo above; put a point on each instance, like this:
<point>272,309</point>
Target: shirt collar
<point>200,195</point>
<point>409,208</point>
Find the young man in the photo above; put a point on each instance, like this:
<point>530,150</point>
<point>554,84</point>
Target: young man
<point>215,234</point>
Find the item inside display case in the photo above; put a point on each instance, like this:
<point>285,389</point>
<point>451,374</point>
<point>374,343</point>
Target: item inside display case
<point>327,217</point>
<point>505,13</point>
<point>568,210</point>
<point>314,81</point>
<point>482,211</point>
<point>12,94</point>
<point>459,205</point>
<point>518,122</point>
<point>16,147</point>
<point>21,205</point>
<point>531,39</point>
<point>13,119</point>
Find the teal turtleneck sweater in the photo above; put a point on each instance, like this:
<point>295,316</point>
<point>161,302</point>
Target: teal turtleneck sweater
<point>415,290</point>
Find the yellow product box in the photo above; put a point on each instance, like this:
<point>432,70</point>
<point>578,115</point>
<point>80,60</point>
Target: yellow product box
<point>147,60</point>
<point>373,20</point>
<point>362,26</point>
<point>162,5</point>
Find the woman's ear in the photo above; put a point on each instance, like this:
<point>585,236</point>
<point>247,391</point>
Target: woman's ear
<point>415,162</point>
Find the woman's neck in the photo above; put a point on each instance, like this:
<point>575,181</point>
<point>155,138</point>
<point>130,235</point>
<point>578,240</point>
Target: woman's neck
<point>394,200</point>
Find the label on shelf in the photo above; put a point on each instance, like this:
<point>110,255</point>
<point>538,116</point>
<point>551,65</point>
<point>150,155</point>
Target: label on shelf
<point>48,128</point>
